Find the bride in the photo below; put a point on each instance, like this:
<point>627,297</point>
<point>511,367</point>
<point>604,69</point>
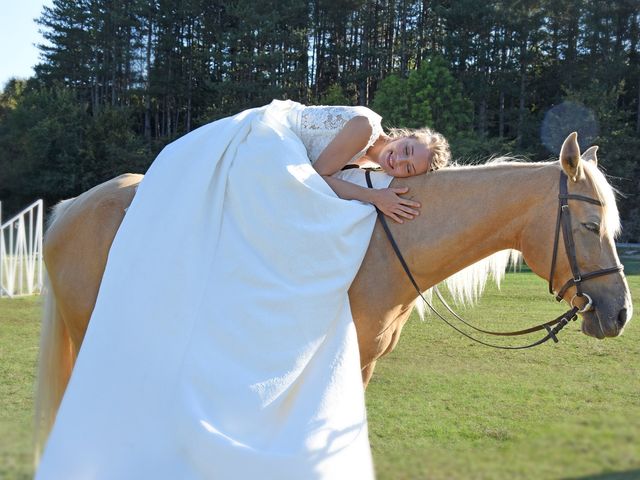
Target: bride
<point>335,136</point>
<point>221,344</point>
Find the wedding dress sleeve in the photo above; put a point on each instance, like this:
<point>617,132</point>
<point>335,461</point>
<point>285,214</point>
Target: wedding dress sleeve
<point>317,126</point>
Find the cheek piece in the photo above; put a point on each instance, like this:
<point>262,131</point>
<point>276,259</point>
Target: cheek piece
<point>564,222</point>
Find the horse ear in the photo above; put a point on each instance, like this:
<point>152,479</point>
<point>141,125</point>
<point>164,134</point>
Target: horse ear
<point>570,156</point>
<point>590,155</point>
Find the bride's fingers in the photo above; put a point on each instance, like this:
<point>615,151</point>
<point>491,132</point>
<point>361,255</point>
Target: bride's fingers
<point>405,214</point>
<point>394,217</point>
<point>410,210</point>
<point>409,203</point>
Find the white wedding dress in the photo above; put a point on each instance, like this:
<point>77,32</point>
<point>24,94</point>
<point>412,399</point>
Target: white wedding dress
<point>222,344</point>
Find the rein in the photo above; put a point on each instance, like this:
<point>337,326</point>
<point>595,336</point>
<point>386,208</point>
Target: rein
<point>563,222</point>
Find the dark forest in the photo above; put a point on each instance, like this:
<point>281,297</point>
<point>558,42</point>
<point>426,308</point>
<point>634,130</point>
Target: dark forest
<point>119,79</point>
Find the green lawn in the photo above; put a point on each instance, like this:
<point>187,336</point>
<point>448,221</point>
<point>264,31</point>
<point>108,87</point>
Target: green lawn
<point>441,407</point>
<point>19,329</point>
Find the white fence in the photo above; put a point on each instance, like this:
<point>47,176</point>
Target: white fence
<point>21,252</point>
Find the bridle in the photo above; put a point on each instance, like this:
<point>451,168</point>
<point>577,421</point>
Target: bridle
<point>564,222</point>
<point>553,327</point>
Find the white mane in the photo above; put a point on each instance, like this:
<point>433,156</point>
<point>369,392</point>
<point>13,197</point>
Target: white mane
<point>494,160</point>
<point>467,285</point>
<point>610,224</point>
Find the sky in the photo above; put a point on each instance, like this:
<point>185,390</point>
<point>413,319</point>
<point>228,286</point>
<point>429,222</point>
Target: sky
<point>18,36</point>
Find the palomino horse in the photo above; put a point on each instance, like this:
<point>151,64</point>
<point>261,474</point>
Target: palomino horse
<point>469,213</point>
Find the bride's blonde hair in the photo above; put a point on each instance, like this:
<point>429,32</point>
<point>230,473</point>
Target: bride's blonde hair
<point>434,141</point>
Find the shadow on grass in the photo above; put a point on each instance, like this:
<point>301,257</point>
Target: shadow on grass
<point>628,475</point>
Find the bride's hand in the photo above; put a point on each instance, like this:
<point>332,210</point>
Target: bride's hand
<point>388,200</point>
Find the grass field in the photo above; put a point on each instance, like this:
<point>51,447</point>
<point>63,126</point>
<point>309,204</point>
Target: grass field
<point>441,407</point>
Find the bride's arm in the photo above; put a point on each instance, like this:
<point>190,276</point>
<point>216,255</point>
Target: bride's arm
<point>386,199</point>
<point>347,143</point>
<point>353,137</point>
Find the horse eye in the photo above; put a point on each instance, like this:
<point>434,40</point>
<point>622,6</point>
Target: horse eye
<point>592,226</point>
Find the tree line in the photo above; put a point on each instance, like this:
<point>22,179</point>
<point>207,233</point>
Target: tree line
<point>118,79</point>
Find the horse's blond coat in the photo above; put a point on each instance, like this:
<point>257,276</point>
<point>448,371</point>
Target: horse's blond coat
<point>468,214</point>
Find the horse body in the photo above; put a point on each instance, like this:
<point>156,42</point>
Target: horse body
<point>468,213</point>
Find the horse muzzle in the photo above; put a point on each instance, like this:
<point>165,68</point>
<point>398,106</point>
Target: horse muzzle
<point>607,320</point>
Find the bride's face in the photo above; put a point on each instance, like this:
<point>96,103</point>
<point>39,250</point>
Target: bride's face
<point>405,157</point>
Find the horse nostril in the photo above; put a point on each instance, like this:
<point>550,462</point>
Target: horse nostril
<point>622,317</point>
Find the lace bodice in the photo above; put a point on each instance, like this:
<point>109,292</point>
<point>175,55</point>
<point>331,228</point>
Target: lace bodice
<point>317,126</point>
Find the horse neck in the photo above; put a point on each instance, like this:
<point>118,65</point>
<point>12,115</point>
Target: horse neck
<point>468,214</point>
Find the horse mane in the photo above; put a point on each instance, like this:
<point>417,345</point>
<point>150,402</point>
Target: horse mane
<point>610,222</point>
<point>57,211</point>
<point>491,161</point>
<point>467,285</point>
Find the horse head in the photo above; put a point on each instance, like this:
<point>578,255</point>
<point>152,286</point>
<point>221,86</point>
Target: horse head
<point>583,268</point>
